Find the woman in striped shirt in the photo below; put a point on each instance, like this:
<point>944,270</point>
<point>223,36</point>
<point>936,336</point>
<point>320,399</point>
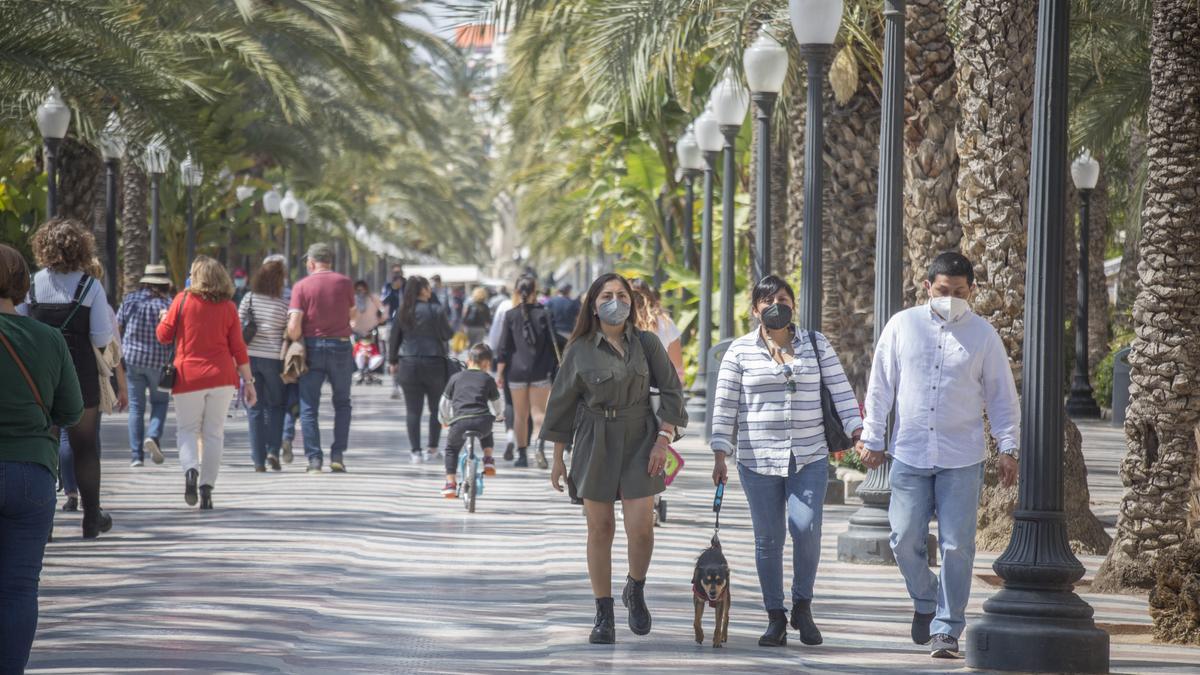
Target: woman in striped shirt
<point>767,410</point>
<point>264,304</point>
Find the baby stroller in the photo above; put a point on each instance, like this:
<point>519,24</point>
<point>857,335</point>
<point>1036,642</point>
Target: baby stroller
<point>368,361</point>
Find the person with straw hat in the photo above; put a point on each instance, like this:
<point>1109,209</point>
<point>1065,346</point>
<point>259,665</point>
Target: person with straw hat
<point>144,357</point>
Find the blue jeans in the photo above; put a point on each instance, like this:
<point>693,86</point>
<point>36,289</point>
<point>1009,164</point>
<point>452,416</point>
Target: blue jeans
<point>26,516</point>
<point>328,359</point>
<point>266,417</point>
<point>953,494</point>
<point>800,497</point>
<point>139,379</point>
<point>291,410</point>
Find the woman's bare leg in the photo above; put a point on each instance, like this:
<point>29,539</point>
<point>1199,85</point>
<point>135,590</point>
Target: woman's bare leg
<point>639,530</point>
<point>520,398</point>
<point>601,521</point>
<point>538,397</point>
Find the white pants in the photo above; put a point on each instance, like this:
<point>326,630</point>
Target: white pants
<point>200,425</point>
<point>370,364</point>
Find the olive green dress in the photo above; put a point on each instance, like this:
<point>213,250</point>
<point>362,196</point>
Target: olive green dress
<point>601,402</point>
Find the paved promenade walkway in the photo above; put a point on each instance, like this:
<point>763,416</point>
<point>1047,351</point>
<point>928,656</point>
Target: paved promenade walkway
<point>372,571</point>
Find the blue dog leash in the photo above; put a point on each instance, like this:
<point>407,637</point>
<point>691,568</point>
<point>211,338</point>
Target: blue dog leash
<point>716,507</point>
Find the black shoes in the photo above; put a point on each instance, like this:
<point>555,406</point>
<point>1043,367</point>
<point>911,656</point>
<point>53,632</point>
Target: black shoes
<point>943,647</point>
<point>634,599</point>
<point>605,630</point>
<point>802,621</point>
<point>314,465</point>
<point>508,452</point>
<point>93,525</point>
<point>205,497</point>
<point>72,504</point>
<point>337,465</point>
<point>776,635</point>
<point>189,488</point>
<point>920,627</point>
<point>522,458</point>
<point>273,463</point>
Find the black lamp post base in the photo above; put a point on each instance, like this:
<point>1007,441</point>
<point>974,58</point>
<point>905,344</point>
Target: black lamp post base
<point>1081,404</point>
<point>1042,631</point>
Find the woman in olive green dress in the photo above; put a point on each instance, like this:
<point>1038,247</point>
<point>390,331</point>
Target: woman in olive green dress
<point>601,403</point>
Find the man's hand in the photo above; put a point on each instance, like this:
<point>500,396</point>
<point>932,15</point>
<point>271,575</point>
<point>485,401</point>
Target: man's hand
<point>122,399</point>
<point>557,471</point>
<point>1008,470</point>
<point>720,470</point>
<point>870,458</point>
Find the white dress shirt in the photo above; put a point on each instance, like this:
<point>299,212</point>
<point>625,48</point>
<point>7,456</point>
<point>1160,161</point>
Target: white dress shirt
<point>942,376</point>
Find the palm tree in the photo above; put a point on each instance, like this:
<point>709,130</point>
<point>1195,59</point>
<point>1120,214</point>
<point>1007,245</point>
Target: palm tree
<point>931,159</point>
<point>1159,510</point>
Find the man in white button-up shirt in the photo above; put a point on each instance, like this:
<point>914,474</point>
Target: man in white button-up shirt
<point>939,367</point>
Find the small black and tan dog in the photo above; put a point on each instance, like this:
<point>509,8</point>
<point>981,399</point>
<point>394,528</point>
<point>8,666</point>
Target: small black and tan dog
<point>710,586</point>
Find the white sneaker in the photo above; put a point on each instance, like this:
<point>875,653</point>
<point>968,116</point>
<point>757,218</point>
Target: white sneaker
<point>418,457</point>
<point>432,454</point>
<point>151,446</point>
<point>135,463</point>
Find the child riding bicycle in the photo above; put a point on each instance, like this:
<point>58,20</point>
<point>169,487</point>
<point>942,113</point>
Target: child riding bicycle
<point>471,402</point>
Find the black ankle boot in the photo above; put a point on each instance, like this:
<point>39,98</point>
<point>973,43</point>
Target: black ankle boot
<point>605,631</point>
<point>205,497</point>
<point>802,621</point>
<point>96,523</point>
<point>634,599</point>
<point>776,635</point>
<point>522,458</point>
<point>190,478</point>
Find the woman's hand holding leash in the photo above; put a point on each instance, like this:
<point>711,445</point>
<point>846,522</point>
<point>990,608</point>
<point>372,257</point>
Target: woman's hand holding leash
<point>720,470</point>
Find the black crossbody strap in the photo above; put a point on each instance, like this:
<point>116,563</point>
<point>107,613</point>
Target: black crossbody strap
<point>85,284</point>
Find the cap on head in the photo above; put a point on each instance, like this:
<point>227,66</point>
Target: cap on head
<point>320,252</point>
<point>239,273</point>
<point>155,275</point>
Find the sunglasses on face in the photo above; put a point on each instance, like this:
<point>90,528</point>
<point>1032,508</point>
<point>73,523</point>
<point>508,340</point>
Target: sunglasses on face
<point>790,377</point>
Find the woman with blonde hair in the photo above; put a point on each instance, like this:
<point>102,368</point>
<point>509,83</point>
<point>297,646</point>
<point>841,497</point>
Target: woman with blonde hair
<point>63,295</point>
<point>210,353</point>
<point>652,318</point>
<point>478,316</point>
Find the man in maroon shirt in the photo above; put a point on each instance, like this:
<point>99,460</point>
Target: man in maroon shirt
<point>320,310</point>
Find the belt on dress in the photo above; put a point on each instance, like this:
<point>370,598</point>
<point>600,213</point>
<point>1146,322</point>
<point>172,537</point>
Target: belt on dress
<point>633,412</point>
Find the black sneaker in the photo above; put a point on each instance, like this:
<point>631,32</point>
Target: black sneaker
<point>605,631</point>
<point>522,458</point>
<point>920,627</point>
<point>634,599</point>
<point>314,465</point>
<point>72,504</point>
<point>189,487</point>
<point>273,463</point>
<point>508,452</point>
<point>943,647</point>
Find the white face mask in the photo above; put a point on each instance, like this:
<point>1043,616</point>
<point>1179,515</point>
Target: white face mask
<point>950,308</point>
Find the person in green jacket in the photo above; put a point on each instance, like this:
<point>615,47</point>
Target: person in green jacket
<point>40,393</point>
<point>601,403</point>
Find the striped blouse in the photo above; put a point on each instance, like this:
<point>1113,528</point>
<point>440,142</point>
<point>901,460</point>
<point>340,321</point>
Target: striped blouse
<point>754,413</point>
<point>271,315</point>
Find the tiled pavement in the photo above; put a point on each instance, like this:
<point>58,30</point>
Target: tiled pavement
<point>373,571</point>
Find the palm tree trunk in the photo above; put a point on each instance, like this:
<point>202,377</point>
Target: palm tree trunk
<point>780,164</point>
<point>134,222</point>
<point>848,246</point>
<point>793,245</point>
<point>931,160</point>
<point>1159,472</point>
<point>81,191</point>
<point>995,81</point>
<point>1099,327</point>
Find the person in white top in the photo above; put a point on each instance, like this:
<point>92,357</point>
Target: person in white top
<point>652,318</point>
<point>939,367</point>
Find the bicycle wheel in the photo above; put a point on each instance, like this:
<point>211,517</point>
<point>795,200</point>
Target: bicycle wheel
<point>469,478</point>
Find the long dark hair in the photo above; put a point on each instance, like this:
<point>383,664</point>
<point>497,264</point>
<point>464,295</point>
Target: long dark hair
<point>588,323</point>
<point>408,307</point>
<point>527,297</point>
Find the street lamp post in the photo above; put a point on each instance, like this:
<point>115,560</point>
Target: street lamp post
<point>53,119</point>
<point>289,207</point>
<point>766,64</point>
<point>113,142</point>
<point>158,158</point>
<point>301,230</point>
<point>691,160</point>
<point>270,204</point>
<point>815,23</point>
<point>191,175</point>
<point>1085,172</point>
<point>1036,622</point>
<point>866,540</point>
<point>710,141</point>
<point>730,103</point>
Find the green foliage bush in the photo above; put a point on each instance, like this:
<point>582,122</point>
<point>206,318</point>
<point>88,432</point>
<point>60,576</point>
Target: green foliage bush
<point>1102,382</point>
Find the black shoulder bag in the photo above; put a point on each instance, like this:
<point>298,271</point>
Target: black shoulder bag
<point>835,431</point>
<point>167,374</point>
<point>250,324</point>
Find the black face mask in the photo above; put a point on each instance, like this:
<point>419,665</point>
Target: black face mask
<point>777,316</point>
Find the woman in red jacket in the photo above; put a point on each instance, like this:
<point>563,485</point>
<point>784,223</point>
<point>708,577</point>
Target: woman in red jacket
<point>209,355</point>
